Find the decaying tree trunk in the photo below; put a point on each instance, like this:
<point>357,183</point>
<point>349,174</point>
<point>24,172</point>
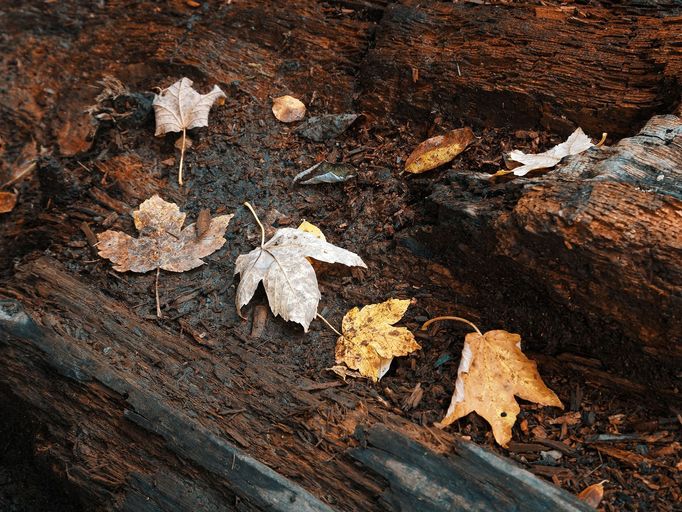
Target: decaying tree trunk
<point>143,420</point>
<point>601,233</point>
<point>607,69</point>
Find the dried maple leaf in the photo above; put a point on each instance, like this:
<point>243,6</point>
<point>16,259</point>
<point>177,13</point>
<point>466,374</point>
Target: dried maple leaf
<point>576,143</point>
<point>288,277</point>
<point>438,150</point>
<point>180,108</point>
<point>492,370</point>
<point>8,201</point>
<point>370,341</point>
<point>163,243</point>
<point>288,109</point>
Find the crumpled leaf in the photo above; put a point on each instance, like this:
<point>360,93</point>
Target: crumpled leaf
<point>439,150</point>
<point>8,201</point>
<point>288,109</point>
<point>288,277</point>
<point>180,107</point>
<point>593,494</point>
<point>325,127</point>
<point>576,143</point>
<point>492,370</point>
<point>163,243</point>
<point>370,341</point>
<point>325,172</point>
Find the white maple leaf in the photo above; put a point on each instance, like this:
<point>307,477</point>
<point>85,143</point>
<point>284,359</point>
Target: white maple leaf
<point>288,277</point>
<point>180,108</point>
<point>576,143</point>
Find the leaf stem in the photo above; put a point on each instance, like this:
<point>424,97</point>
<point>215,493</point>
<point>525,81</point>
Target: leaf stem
<point>182,155</point>
<point>456,318</point>
<point>262,229</point>
<point>156,289</point>
<point>328,324</point>
<point>603,139</point>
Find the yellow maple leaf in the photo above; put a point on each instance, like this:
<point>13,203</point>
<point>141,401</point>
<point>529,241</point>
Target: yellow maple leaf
<point>370,341</point>
<point>492,370</point>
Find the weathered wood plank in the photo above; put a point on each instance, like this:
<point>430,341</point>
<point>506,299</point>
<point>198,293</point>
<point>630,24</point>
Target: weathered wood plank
<point>469,479</point>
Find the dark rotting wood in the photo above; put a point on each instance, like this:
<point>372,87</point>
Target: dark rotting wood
<point>469,479</point>
<point>605,68</point>
<point>600,234</point>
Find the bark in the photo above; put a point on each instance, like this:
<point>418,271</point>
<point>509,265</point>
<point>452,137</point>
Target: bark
<point>601,233</point>
<point>607,69</point>
<point>143,420</point>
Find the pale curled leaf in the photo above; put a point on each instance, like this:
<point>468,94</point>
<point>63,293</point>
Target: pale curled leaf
<point>370,341</point>
<point>180,107</point>
<point>163,243</point>
<point>288,109</point>
<point>576,143</point>
<point>492,370</point>
<point>325,172</point>
<point>288,278</point>
<point>439,150</point>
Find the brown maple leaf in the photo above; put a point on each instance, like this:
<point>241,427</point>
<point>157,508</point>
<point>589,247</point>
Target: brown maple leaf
<point>180,108</point>
<point>493,369</point>
<point>163,243</point>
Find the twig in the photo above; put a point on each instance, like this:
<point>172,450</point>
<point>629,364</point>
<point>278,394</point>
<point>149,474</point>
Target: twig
<point>27,169</point>
<point>456,318</point>
<point>262,229</point>
<point>328,324</point>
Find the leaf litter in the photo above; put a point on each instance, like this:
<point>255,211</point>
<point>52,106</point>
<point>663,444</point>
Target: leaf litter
<point>325,172</point>
<point>438,150</point>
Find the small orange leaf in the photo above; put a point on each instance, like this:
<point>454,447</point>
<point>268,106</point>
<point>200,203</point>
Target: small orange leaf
<point>438,150</point>
<point>288,109</point>
<point>8,201</point>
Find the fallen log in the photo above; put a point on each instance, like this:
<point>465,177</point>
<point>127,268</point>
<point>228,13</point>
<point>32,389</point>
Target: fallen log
<point>605,68</point>
<point>133,430</point>
<point>601,234</point>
